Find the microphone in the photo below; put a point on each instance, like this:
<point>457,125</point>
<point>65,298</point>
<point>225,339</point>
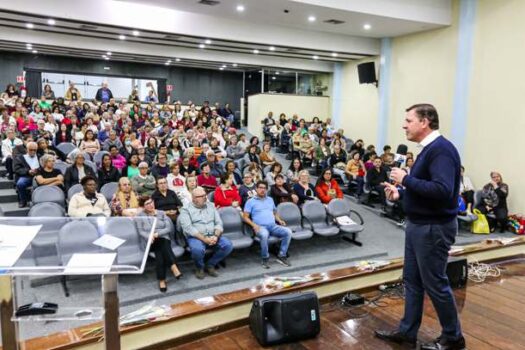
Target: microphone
<point>401,155</point>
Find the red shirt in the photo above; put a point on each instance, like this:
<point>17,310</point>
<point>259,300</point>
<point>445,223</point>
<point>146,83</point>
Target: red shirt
<point>322,191</point>
<point>225,198</point>
<point>209,181</point>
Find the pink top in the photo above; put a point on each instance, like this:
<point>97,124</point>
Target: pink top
<point>119,161</point>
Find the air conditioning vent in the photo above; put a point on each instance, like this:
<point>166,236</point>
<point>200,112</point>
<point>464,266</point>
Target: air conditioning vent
<point>171,37</point>
<point>334,21</point>
<point>292,50</point>
<point>88,27</point>
<point>209,2</point>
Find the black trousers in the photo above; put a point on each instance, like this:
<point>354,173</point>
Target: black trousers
<point>469,197</point>
<point>9,166</point>
<point>501,217</point>
<point>164,256</point>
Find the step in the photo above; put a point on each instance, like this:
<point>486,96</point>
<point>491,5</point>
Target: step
<point>7,196</point>
<point>12,209</point>
<point>6,184</point>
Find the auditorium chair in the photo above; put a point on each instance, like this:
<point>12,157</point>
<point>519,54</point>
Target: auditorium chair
<point>291,214</point>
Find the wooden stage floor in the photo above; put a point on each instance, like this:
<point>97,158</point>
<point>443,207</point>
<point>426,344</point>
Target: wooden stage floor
<point>492,316</point>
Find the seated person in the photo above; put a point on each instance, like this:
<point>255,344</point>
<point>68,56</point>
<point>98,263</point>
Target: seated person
<point>466,189</point>
<point>143,184</point>
<point>176,182</point>
<point>293,171</point>
<point>230,168</point>
<point>88,202</point>
<point>494,201</point>
<point>205,179</point>
<point>47,175</point>
<point>369,164</point>
<point>76,171</point>
<point>166,199</point>
<point>355,171</point>
<point>8,144</point>
<point>321,153</point>
<point>226,194</point>
<point>161,245</point>
<point>202,226</point>
<point>260,213</point>
<point>187,168</point>
<point>306,148</point>
<point>327,188</point>
<point>375,178</point>
<point>251,155</point>
<point>25,166</point>
<point>234,149</point>
<point>281,192</point>
<point>255,170</point>
<point>124,202</point>
<point>215,167</point>
<point>275,170</point>
<point>118,160</point>
<point>132,169</point>
<point>247,189</point>
<point>304,190</point>
<point>107,172</point>
<point>185,193</point>
<point>266,156</point>
<point>161,169</point>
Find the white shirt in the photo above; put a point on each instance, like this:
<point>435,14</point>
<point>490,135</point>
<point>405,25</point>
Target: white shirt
<point>8,146</point>
<point>32,161</point>
<point>429,139</point>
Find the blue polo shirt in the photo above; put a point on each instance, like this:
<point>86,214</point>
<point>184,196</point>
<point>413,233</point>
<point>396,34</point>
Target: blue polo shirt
<point>261,210</point>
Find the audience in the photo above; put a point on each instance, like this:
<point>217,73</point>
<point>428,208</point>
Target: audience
<point>293,171</point>
<point>161,244</point>
<point>166,199</point>
<point>206,180</point>
<point>226,194</point>
<point>125,201</point>
<point>375,178</point>
<point>143,183</point>
<point>8,144</point>
<point>494,201</point>
<point>76,171</point>
<point>247,189</point>
<point>355,171</point>
<point>47,175</point>
<point>327,188</point>
<point>466,188</point>
<point>304,190</point>
<point>107,172</point>
<point>276,169</point>
<point>261,214</point>
<point>88,202</point>
<point>202,225</point>
<point>281,192</point>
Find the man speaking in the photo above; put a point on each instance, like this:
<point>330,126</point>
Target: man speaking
<point>430,195</point>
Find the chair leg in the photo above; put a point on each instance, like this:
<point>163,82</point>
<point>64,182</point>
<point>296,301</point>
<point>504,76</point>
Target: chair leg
<point>353,240</point>
<point>63,280</point>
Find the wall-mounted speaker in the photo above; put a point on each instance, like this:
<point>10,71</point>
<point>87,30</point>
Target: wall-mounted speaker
<point>285,318</point>
<point>367,73</point>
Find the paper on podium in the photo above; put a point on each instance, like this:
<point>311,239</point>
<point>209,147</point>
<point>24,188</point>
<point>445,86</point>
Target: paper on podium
<point>13,241</point>
<point>90,264</point>
<point>109,242</point>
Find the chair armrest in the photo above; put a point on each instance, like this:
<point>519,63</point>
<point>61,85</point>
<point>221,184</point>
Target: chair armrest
<point>358,215</point>
<point>307,220</point>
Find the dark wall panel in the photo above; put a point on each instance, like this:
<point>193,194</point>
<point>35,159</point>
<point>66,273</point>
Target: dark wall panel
<point>188,83</point>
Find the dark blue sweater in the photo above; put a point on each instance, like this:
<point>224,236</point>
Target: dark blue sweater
<point>432,188</point>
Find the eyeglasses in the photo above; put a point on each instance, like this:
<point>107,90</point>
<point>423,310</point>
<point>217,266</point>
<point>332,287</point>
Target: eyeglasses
<point>262,187</point>
<point>200,196</point>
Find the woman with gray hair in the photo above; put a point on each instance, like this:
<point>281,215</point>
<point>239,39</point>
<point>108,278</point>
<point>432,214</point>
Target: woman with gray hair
<point>76,171</point>
<point>47,175</point>
<point>494,201</point>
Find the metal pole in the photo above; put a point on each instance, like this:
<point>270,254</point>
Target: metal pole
<point>9,328</point>
<point>112,314</point>
<point>262,80</point>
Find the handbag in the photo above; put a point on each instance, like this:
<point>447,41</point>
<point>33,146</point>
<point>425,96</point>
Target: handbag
<point>481,225</point>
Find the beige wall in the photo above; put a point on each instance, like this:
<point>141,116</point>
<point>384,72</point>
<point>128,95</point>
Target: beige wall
<point>496,120</point>
<point>359,104</point>
<point>306,107</point>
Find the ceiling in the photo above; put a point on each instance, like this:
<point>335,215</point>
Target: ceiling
<point>174,32</point>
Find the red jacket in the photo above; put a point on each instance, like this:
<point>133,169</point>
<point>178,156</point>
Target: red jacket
<point>322,191</point>
<point>224,198</point>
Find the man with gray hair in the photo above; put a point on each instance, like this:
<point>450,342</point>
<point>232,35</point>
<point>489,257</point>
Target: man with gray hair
<point>202,225</point>
<point>112,140</point>
<point>25,166</point>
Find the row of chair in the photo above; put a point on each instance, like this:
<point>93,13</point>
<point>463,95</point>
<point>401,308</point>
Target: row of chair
<point>53,194</point>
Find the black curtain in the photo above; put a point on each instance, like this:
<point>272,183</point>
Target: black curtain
<point>34,83</point>
<point>161,90</point>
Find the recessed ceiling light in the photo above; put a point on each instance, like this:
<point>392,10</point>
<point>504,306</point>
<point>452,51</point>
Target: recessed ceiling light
<point>207,42</point>
<point>255,51</point>
<point>224,66</point>
<point>202,46</point>
<point>277,73</point>
<point>240,8</point>
<point>234,65</point>
<point>108,53</point>
<point>167,63</point>
<point>315,57</point>
<point>334,54</point>
<point>135,33</point>
<point>51,22</point>
<point>177,60</point>
<point>106,58</point>
<point>311,18</point>
<point>122,37</point>
<point>30,25</point>
<point>271,48</point>
<point>273,78</point>
<point>34,51</point>
<point>29,46</point>
<point>221,68</point>
<point>367,26</point>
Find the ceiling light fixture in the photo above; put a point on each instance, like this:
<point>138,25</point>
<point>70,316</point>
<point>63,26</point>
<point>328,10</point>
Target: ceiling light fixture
<point>271,48</point>
<point>240,8</point>
<point>108,53</point>
<point>234,65</point>
<point>224,66</point>
<point>106,58</point>
<point>207,42</point>
<point>30,25</point>
<point>29,45</point>
<point>311,18</point>
<point>277,73</point>
<point>255,51</point>
<point>167,63</point>
<point>177,60</point>
<point>135,33</point>
<point>334,54</point>
<point>221,68</point>
<point>122,37</point>
<point>202,46</point>
<point>273,78</point>
<point>367,26</point>
<point>315,57</point>
<point>51,22</point>
<point>34,51</point>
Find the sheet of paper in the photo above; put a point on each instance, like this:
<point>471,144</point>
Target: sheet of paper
<point>14,241</point>
<point>90,264</point>
<point>109,242</point>
<point>345,220</point>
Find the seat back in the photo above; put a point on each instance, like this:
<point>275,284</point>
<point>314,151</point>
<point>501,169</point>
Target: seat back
<point>123,228</point>
<point>66,147</point>
<point>108,190</point>
<point>61,166</point>
<point>291,214</point>
<point>266,170</point>
<point>97,158</point>
<point>211,196</point>
<point>69,243</point>
<point>91,165</point>
<point>315,212</point>
<point>231,220</point>
<point>46,209</point>
<point>240,163</point>
<point>77,188</point>
<point>53,194</point>
<point>338,207</point>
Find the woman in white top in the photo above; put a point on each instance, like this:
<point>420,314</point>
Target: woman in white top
<point>466,189</point>
<point>185,192</point>
<point>176,182</point>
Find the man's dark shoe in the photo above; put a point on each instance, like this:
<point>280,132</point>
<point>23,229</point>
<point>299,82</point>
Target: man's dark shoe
<point>211,271</point>
<point>265,263</point>
<point>22,204</point>
<point>283,260</point>
<point>199,273</point>
<point>395,337</point>
<point>444,344</point>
